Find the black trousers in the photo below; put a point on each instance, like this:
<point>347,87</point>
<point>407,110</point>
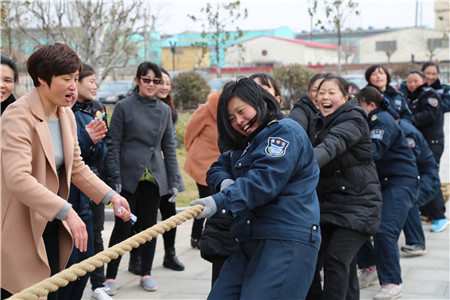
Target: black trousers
<point>338,253</point>
<point>98,217</point>
<point>168,210</point>
<point>144,203</point>
<point>197,226</point>
<point>51,241</point>
<point>217,264</point>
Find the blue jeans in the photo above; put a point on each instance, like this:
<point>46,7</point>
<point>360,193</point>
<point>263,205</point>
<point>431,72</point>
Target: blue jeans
<point>397,200</point>
<point>267,269</point>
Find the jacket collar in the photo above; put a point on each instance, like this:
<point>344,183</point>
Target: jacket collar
<point>147,101</point>
<point>36,106</point>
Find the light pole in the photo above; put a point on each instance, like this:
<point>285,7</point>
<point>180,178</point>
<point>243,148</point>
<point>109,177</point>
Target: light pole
<point>173,48</point>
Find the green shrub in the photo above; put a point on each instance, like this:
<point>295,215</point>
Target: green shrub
<point>183,119</point>
<point>189,90</point>
<point>294,80</point>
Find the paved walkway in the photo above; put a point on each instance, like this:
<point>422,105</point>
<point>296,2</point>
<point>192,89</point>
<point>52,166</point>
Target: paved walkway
<point>424,277</point>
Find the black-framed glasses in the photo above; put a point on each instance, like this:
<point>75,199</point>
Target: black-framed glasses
<point>148,80</point>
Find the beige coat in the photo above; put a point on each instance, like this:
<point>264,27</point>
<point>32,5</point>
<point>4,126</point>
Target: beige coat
<point>30,188</point>
<point>200,139</point>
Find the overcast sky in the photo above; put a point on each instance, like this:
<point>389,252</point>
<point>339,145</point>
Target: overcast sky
<point>264,14</point>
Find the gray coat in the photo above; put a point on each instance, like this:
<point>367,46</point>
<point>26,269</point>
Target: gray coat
<point>142,136</point>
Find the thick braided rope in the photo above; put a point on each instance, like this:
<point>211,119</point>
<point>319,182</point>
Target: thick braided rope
<point>63,278</point>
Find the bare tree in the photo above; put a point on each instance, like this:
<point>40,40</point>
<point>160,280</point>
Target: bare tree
<point>337,13</point>
<point>102,32</point>
<point>219,16</point>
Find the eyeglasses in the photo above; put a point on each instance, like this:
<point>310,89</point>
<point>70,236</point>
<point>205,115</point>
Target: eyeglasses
<point>148,80</point>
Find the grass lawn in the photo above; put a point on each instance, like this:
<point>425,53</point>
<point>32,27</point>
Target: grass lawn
<point>191,192</point>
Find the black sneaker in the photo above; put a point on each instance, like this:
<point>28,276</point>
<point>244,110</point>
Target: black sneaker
<point>414,249</point>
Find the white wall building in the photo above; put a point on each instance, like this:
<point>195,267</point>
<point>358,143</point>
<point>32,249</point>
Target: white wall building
<point>268,50</point>
<point>404,43</point>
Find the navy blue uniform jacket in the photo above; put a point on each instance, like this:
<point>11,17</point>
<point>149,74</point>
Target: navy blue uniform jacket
<point>427,114</point>
<point>393,157</point>
<point>426,164</point>
<point>274,194</point>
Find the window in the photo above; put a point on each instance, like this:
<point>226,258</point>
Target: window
<point>437,43</point>
<point>386,46</point>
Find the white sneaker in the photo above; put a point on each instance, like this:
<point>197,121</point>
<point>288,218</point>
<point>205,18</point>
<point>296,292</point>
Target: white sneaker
<point>389,291</point>
<point>367,277</point>
<point>100,294</point>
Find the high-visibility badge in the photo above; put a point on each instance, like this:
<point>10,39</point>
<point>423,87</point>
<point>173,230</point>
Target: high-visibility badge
<point>377,134</point>
<point>276,147</point>
<point>433,102</point>
<point>374,117</point>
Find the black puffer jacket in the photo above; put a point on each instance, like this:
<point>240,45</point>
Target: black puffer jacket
<point>304,112</point>
<point>349,191</point>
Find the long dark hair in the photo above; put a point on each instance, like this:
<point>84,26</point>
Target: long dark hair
<point>168,100</point>
<point>247,90</point>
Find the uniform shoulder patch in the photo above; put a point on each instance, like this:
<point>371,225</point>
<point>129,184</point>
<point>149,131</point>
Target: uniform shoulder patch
<point>433,102</point>
<point>276,146</point>
<point>374,117</point>
<point>377,134</point>
<point>411,142</point>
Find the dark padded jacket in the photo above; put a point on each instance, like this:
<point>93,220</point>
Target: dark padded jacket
<point>304,112</point>
<point>349,191</point>
<point>426,108</point>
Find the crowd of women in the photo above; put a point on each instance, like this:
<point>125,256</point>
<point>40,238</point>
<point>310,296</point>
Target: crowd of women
<point>326,189</point>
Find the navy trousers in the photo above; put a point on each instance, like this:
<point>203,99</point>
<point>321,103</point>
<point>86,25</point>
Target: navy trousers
<point>397,200</point>
<point>413,227</point>
<point>435,209</point>
<point>267,269</point>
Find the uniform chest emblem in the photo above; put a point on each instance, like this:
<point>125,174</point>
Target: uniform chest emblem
<point>377,134</point>
<point>398,102</point>
<point>411,142</point>
<point>276,147</point>
<point>433,102</point>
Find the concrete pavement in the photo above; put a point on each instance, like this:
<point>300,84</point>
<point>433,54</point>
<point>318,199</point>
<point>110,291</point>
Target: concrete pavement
<point>424,277</point>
